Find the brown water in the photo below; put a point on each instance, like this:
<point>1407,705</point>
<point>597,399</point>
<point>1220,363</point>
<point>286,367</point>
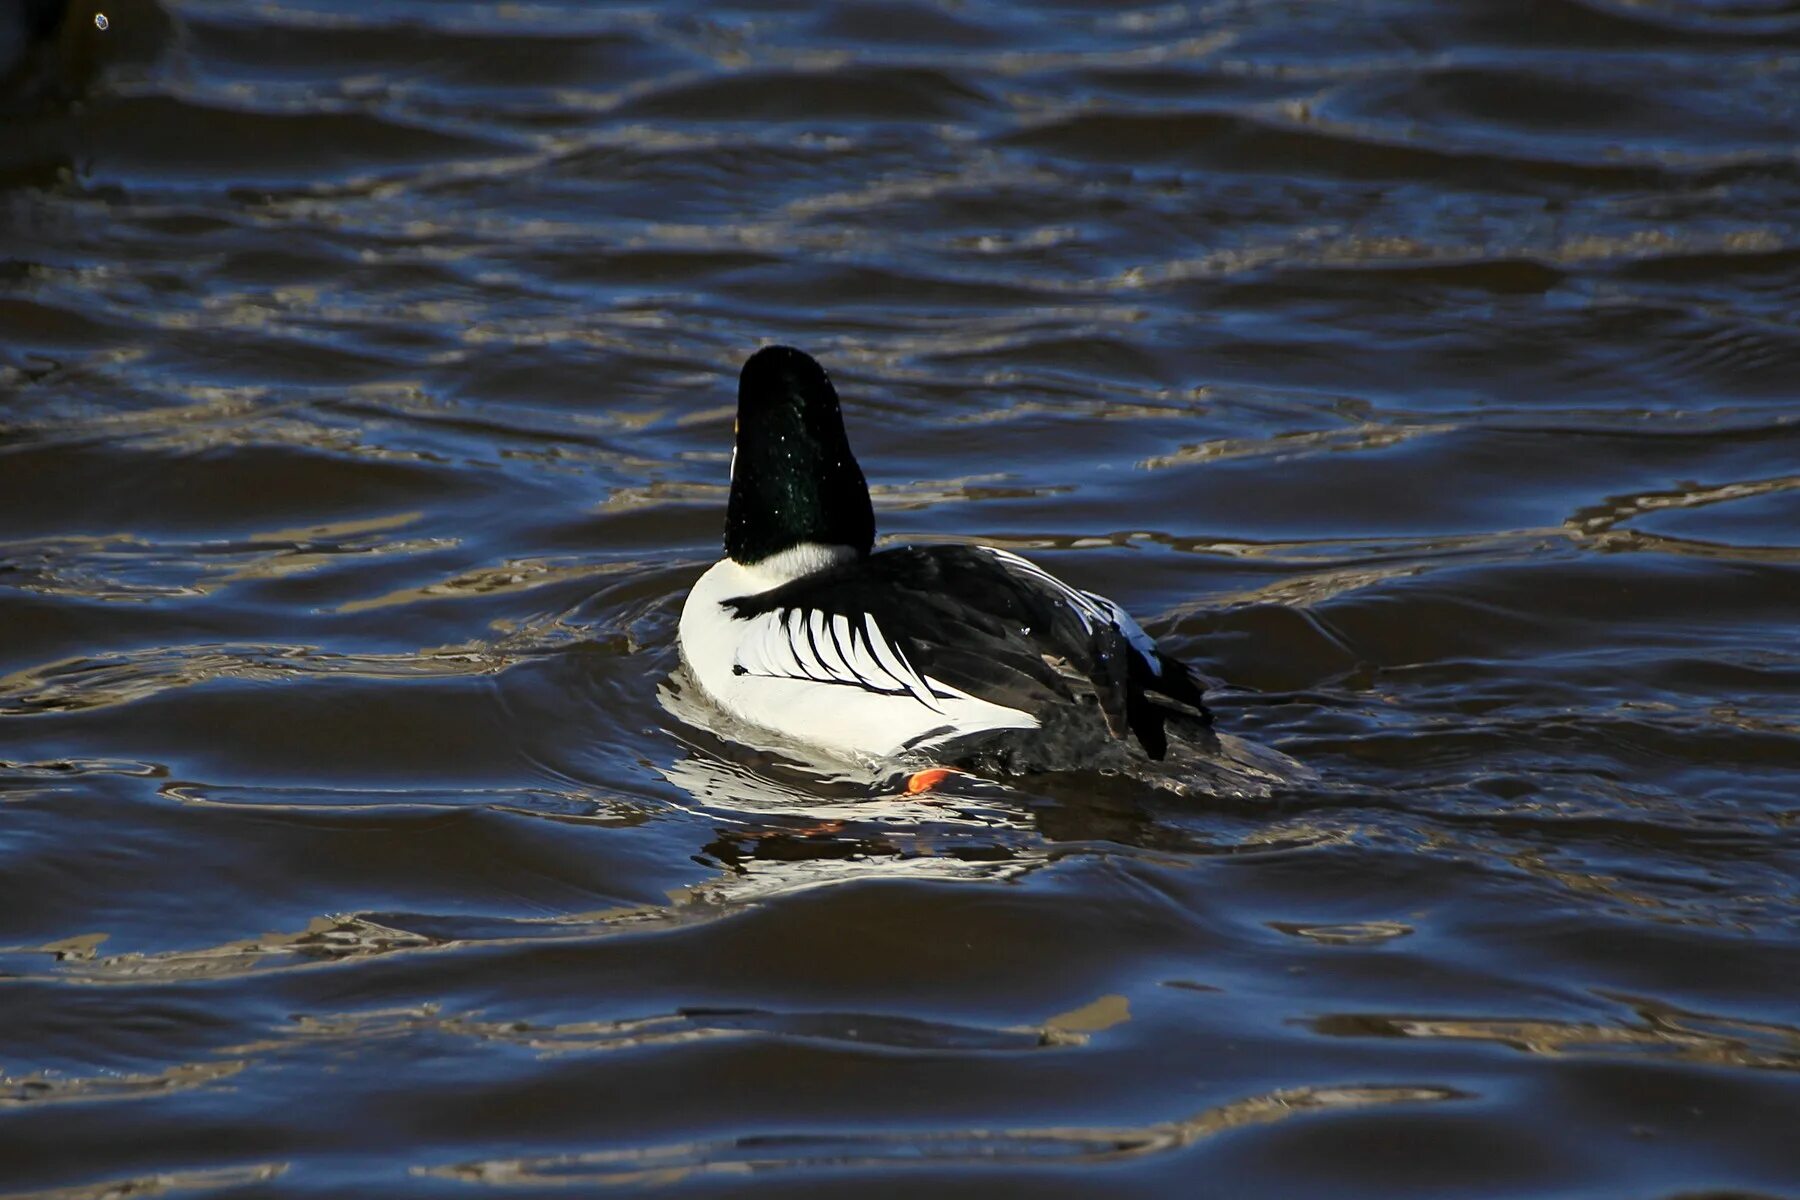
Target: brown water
<point>1428,372</point>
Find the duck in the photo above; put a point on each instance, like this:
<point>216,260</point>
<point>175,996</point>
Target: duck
<point>961,657</point>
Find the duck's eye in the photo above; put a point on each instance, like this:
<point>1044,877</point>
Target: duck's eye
<point>101,23</point>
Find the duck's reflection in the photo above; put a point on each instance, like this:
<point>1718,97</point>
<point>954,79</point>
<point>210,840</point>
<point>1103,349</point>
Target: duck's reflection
<point>783,822</point>
<point>785,819</point>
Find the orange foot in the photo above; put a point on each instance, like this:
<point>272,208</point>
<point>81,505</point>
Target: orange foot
<point>930,777</point>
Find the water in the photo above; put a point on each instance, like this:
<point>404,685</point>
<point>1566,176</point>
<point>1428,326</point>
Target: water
<point>1425,372</point>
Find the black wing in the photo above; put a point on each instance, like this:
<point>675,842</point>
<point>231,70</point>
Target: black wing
<point>987,623</point>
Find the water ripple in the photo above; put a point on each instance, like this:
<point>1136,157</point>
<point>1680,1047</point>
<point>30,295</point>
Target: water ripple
<point>1422,373</point>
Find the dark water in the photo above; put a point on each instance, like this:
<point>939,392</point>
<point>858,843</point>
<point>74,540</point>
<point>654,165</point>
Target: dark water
<point>1428,372</point>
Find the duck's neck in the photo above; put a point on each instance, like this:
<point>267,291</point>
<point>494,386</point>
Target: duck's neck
<point>795,562</point>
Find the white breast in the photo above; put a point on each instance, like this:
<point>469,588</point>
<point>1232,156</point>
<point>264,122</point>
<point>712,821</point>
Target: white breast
<point>857,697</point>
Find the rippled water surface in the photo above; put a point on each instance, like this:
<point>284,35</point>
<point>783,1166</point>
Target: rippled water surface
<point>1428,373</point>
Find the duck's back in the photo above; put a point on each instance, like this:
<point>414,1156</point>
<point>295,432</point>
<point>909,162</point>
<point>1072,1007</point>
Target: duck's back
<point>963,650</point>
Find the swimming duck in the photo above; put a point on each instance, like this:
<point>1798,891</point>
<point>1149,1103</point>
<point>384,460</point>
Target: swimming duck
<point>965,656</point>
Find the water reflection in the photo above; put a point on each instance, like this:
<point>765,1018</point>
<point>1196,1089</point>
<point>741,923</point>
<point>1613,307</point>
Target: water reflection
<point>16,1090</point>
<point>1661,1029</point>
<point>662,1165</point>
<point>848,1030</point>
<point>162,1183</point>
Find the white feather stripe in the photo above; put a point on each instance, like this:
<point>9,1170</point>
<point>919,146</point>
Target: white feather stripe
<point>826,649</point>
<point>799,644</point>
<point>1085,609</point>
<point>760,640</point>
<point>794,623</point>
<point>751,652</point>
<point>895,664</point>
<point>775,655</point>
<point>778,647</point>
<point>857,657</point>
<point>1090,607</point>
<point>1083,601</point>
<point>868,665</point>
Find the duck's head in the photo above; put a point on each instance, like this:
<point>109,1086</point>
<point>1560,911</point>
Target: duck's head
<point>794,482</point>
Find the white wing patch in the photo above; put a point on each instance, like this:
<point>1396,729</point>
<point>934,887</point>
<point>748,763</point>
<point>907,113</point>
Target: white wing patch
<point>787,674</point>
<point>794,643</point>
<point>1089,608</point>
